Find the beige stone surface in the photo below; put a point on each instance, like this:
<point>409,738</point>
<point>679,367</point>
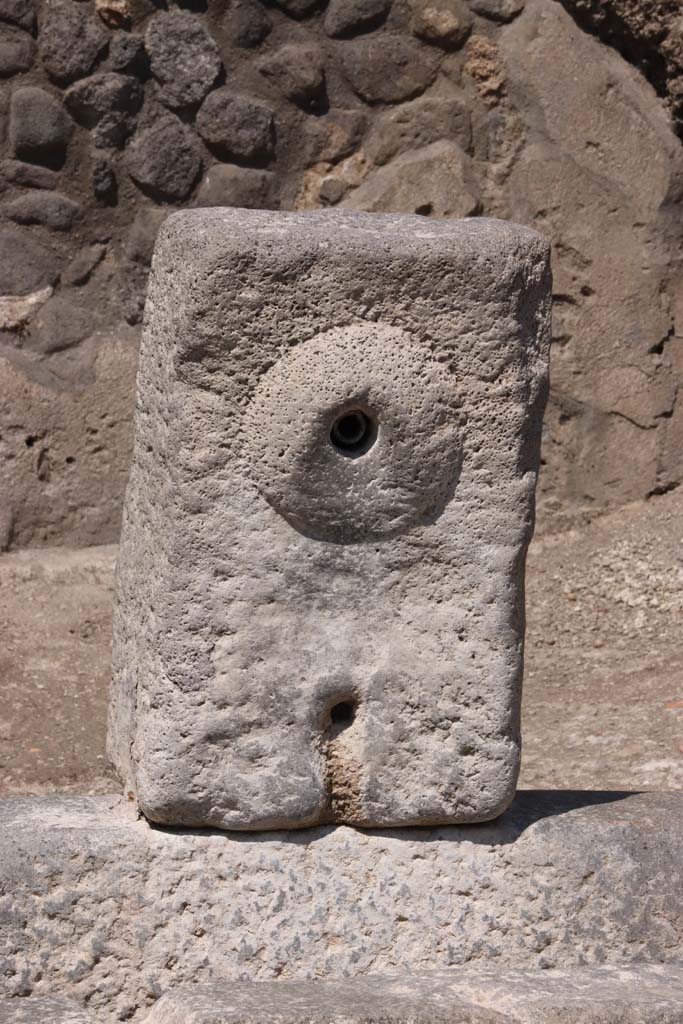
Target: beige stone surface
<point>104,909</point>
<point>65,444</point>
<point>647,994</point>
<point>310,625</point>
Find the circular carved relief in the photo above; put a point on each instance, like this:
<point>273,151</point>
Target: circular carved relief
<point>355,434</point>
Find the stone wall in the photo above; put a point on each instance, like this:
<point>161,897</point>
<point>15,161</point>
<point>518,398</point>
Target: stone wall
<point>117,111</point>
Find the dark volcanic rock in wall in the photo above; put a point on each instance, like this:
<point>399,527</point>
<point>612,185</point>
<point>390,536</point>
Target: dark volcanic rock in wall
<point>228,185</point>
<point>49,208</point>
<point>298,8</point>
<point>127,54</point>
<point>419,123</point>
<point>164,158</point>
<point>334,136</point>
<point>39,128</point>
<point>296,70</point>
<point>347,17</point>
<point>247,24</point>
<point>104,185</point>
<point>437,179</point>
<point>70,40</point>
<point>387,68</point>
<point>498,10</point>
<point>183,57</point>
<point>26,265</point>
<point>18,12</point>
<point>446,23</point>
<point>16,54</point>
<point>59,324</point>
<point>237,126</point>
<point>105,103</point>
<point>83,264</point>
<point>28,175</point>
<point>143,233</point>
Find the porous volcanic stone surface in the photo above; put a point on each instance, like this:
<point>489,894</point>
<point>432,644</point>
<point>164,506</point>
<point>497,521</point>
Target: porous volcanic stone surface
<point>305,631</point>
<point>100,907</point>
<point>42,1010</point>
<point>612,995</point>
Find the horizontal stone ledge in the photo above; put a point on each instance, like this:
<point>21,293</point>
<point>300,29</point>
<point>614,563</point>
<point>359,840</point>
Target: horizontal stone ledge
<point>42,1010</point>
<point>608,995</point>
<point>639,994</point>
<point>98,906</point>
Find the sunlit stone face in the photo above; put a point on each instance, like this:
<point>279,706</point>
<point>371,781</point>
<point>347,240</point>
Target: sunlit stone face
<point>320,608</point>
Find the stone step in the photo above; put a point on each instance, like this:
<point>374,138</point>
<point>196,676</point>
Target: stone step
<point>587,995</point>
<point>102,908</point>
<point>42,1010</point>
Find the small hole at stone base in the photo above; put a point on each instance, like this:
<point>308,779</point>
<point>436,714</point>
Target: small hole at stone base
<point>343,714</point>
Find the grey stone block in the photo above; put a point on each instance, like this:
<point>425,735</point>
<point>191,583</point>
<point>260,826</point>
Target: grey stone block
<point>315,624</point>
<point>585,995</point>
<point>42,1010</point>
<point>108,911</point>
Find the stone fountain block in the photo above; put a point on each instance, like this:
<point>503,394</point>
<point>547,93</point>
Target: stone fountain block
<point>98,906</point>
<point>320,613</point>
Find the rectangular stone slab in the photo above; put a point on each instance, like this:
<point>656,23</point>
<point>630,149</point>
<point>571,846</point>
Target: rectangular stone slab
<point>646,994</point>
<point>102,908</point>
<point>320,609</point>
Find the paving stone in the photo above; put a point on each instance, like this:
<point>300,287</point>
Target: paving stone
<point>49,208</point>
<point>70,40</point>
<point>110,912</point>
<point>348,17</point>
<point>42,1010</point>
<point>164,158</point>
<point>422,561</point>
<point>40,128</point>
<point>387,68</point>
<point>639,993</point>
<point>183,57</point>
<point>237,126</point>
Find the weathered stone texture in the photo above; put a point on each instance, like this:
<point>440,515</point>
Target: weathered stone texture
<point>396,564</point>
<point>128,912</point>
<point>647,994</point>
<point>52,432</point>
<point>42,1010</point>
